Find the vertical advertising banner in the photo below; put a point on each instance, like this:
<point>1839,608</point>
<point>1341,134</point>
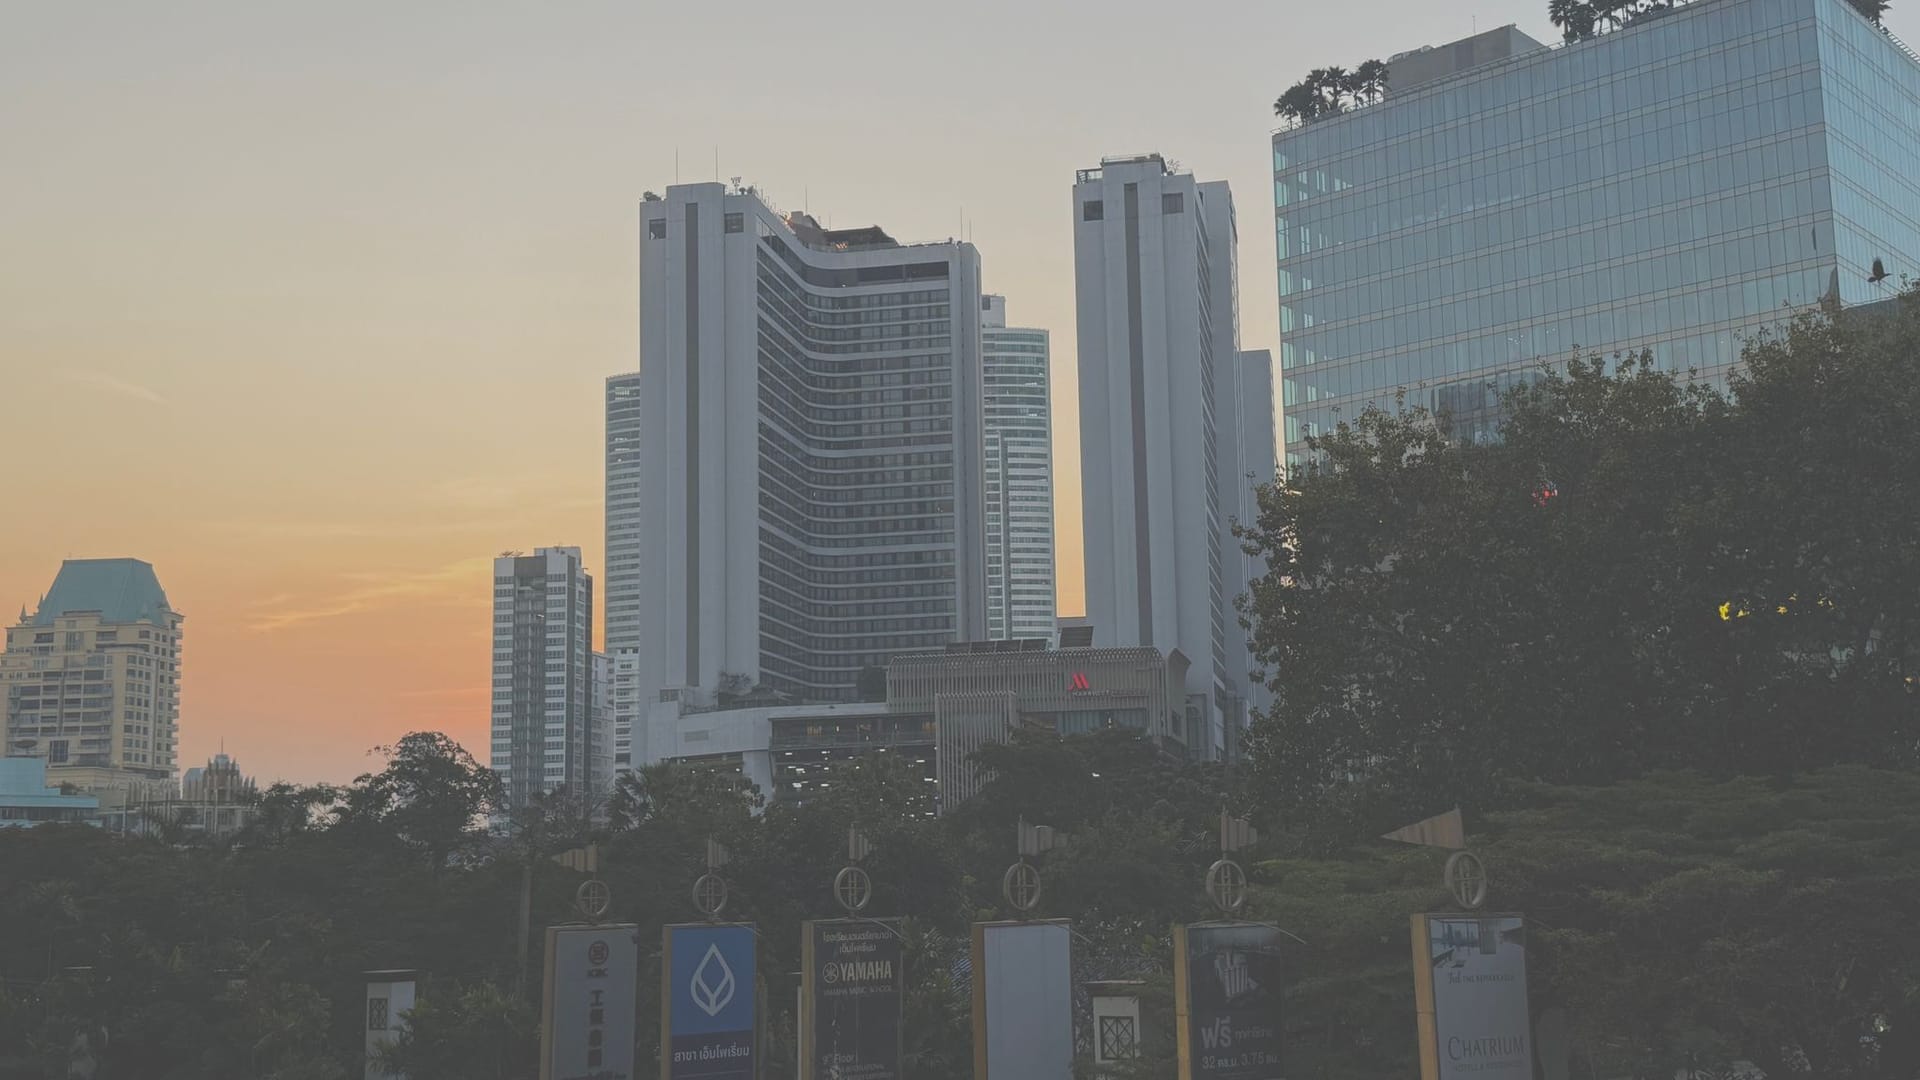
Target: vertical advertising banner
<point>707,1003</point>
<point>1227,982</point>
<point>592,984</point>
<point>1023,1001</point>
<point>854,992</point>
<point>1470,991</point>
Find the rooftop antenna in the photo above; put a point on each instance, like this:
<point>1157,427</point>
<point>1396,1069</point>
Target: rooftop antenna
<point>676,165</point>
<point>716,164</point>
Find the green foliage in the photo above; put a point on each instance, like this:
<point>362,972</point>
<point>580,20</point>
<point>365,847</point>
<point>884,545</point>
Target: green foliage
<point>1327,91</point>
<point>1640,575</point>
<point>1676,921</point>
<point>467,1032</point>
<point>1580,20</point>
<point>430,796</point>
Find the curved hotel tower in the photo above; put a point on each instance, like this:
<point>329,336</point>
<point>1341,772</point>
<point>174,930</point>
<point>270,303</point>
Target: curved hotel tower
<point>800,490</point>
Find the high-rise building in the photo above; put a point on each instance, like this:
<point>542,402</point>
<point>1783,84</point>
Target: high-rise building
<point>542,673</point>
<point>1019,475</point>
<point>91,680</point>
<point>621,586</point>
<point>1671,185</point>
<point>601,739</point>
<point>1258,464</point>
<point>810,450</point>
<point>1160,442</point>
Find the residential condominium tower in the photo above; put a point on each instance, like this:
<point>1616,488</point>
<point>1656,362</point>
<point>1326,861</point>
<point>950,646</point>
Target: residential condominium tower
<point>1163,433</point>
<point>810,451</point>
<point>91,680</point>
<point>543,668</point>
<point>1019,476</point>
<point>1672,186</point>
<point>621,586</point>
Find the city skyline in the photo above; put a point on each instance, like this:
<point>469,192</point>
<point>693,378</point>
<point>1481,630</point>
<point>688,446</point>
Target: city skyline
<point>363,310</point>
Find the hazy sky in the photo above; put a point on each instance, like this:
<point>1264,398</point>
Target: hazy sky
<point>310,304</point>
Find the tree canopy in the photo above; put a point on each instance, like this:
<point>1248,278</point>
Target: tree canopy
<point>1580,20</point>
<point>1642,573</point>
<point>1326,91</point>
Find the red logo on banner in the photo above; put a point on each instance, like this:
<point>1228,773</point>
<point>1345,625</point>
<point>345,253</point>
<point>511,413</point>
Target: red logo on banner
<point>1078,681</point>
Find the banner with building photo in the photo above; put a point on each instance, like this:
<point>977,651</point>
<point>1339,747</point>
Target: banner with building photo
<point>854,992</point>
<point>1470,995</point>
<point>708,1020</point>
<point>588,1009</point>
<point>1227,1001</point>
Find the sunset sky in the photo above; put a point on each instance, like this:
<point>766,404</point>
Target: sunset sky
<point>309,304</point>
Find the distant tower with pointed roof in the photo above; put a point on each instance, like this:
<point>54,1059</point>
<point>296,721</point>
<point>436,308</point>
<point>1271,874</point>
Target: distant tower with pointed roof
<point>90,681</point>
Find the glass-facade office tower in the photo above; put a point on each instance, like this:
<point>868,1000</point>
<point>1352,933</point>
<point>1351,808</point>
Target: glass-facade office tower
<point>810,450</point>
<point>1019,475</point>
<point>543,669</point>
<point>1671,185</point>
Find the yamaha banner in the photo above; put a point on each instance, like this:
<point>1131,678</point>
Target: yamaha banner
<point>855,990</point>
<point>1227,982</point>
<point>708,1029</point>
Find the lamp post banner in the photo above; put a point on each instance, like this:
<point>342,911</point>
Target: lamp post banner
<point>1470,995</point>
<point>1227,978</point>
<point>592,984</point>
<point>855,991</point>
<point>708,1017</point>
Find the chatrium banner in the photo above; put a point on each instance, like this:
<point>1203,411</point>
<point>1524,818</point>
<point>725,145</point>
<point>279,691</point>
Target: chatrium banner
<point>854,992</point>
<point>1227,1001</point>
<point>707,1003</point>
<point>1470,997</point>
<point>592,983</point>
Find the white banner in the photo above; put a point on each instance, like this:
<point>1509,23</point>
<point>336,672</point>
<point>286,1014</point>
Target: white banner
<point>1477,974</point>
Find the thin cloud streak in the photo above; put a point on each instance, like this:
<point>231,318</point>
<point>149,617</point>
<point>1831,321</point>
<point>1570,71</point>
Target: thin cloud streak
<point>377,590</point>
<point>100,380</point>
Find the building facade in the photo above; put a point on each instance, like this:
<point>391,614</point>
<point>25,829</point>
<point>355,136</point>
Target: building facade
<point>91,680</point>
<point>28,798</point>
<point>940,708</point>
<point>1156,291</point>
<point>542,673</point>
<point>1018,431</point>
<point>621,585</point>
<point>976,696</point>
<point>1259,464</point>
<point>1670,186</point>
<point>601,738</point>
<point>810,443</point>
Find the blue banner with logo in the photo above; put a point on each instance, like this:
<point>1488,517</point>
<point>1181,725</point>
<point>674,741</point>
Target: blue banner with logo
<point>709,995</point>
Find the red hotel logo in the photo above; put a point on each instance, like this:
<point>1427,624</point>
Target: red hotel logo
<point>1078,681</point>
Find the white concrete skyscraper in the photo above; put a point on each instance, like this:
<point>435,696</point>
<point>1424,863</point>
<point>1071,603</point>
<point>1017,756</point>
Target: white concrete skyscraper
<point>1161,427</point>
<point>621,585</point>
<point>1019,476</point>
<point>543,673</point>
<point>810,450</point>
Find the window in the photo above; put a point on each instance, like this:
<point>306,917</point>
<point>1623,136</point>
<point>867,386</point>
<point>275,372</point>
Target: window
<point>657,229</point>
<point>1117,1039</point>
<point>1093,210</point>
<point>736,222</point>
<point>1172,203</point>
<point>376,1014</point>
